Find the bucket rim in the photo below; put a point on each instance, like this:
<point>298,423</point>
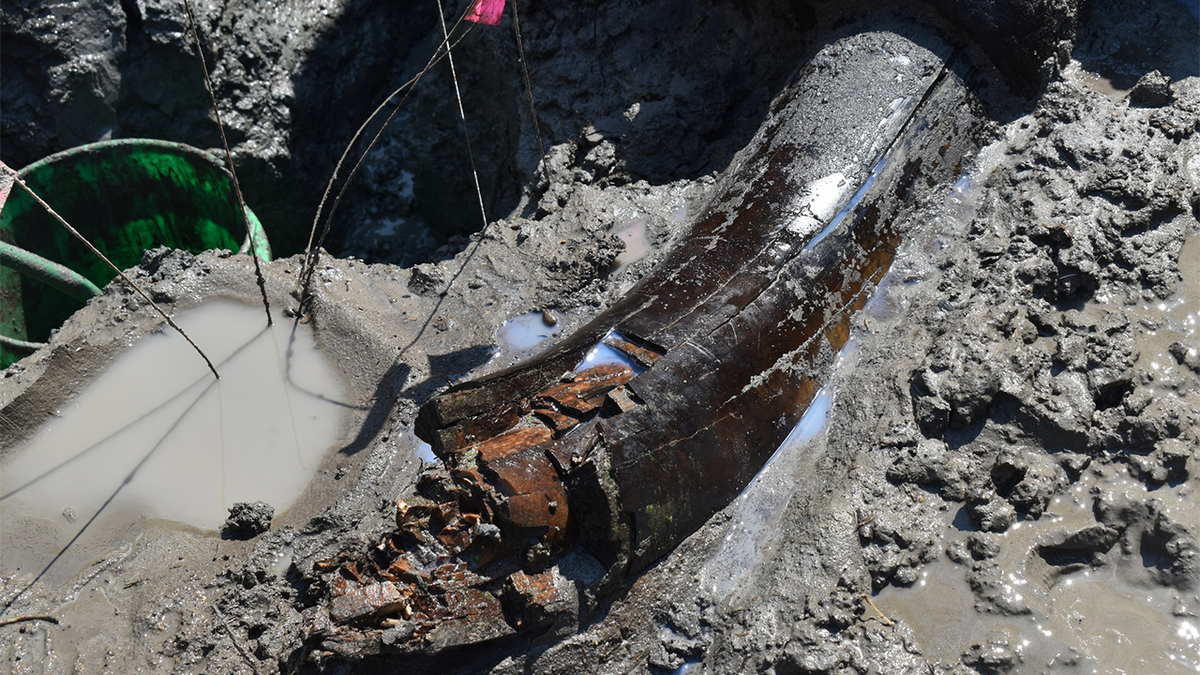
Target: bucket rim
<point>88,149</point>
<point>257,237</point>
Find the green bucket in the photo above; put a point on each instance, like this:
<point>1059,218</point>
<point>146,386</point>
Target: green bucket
<point>125,196</point>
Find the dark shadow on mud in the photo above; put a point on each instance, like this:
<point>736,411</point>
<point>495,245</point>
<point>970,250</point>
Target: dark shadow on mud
<point>693,107</point>
<point>347,73</point>
<point>1122,45</point>
<point>674,113</point>
<point>382,402</point>
<point>463,661</point>
<point>449,368</point>
<point>376,46</point>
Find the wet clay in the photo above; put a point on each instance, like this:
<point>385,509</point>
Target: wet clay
<point>1040,593</point>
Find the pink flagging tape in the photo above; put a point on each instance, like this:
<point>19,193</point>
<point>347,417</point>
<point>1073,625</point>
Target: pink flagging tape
<point>486,12</point>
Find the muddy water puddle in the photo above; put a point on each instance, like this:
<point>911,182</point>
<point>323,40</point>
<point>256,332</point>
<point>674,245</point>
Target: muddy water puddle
<point>1101,83</point>
<point>422,450</point>
<point>633,235</point>
<point>1171,327</point>
<point>157,437</point>
<point>1056,616</point>
<point>602,354</point>
<point>519,337</point>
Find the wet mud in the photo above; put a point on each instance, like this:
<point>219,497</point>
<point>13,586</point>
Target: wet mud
<point>1005,480</point>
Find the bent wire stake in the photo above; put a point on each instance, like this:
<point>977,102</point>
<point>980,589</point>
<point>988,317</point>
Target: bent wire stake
<point>732,335</point>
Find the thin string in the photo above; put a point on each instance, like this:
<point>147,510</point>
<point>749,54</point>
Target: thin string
<point>62,221</point>
<point>311,253</point>
<point>529,91</point>
<point>462,115</point>
<point>237,187</point>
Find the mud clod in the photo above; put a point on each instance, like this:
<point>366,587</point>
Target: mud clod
<point>1153,89</point>
<point>249,519</point>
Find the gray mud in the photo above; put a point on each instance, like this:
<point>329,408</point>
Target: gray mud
<point>1009,468</point>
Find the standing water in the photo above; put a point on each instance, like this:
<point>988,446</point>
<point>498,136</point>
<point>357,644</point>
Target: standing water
<point>633,235</point>
<point>157,437</point>
<point>519,337</point>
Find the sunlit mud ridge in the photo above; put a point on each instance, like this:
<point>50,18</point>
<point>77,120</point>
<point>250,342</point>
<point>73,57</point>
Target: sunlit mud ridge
<point>727,343</point>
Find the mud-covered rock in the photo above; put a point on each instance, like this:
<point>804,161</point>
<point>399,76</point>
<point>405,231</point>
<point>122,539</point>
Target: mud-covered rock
<point>248,519</point>
<point>1168,544</point>
<point>966,382</point>
<point>990,512</point>
<point>1152,89</point>
<point>983,546</point>
<point>996,656</point>
<point>1186,355</point>
<point>929,463</point>
<point>1079,548</point>
<point>994,593</point>
<point>1027,479</point>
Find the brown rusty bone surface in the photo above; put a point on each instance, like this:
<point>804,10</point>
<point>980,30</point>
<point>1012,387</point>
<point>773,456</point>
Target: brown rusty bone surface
<point>732,335</point>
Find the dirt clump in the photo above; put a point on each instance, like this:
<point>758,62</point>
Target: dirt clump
<point>247,519</point>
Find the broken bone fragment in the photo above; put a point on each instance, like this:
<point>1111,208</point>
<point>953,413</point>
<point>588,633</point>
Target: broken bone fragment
<point>500,507</point>
<point>727,342</point>
<point>372,600</point>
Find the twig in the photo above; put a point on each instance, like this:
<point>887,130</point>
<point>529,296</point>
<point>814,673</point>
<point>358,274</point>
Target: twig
<point>29,617</point>
<point>886,621</point>
<point>537,131</point>
<point>17,179</point>
<point>237,645</point>
<point>237,187</point>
